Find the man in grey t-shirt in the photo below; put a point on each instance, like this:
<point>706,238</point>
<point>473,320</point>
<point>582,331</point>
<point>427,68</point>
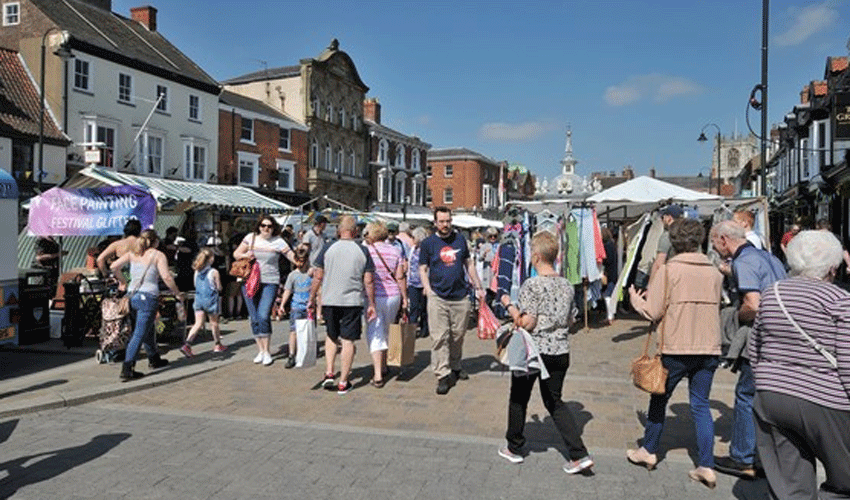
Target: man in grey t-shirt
<point>343,271</point>
<point>314,239</point>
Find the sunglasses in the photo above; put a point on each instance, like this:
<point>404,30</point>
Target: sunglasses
<point>266,225</point>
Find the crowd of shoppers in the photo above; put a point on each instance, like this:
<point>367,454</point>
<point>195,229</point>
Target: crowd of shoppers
<point>787,338</point>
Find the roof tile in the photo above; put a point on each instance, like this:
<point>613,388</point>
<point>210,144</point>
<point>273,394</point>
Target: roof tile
<point>19,100</point>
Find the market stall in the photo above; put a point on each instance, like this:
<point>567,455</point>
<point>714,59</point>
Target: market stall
<point>10,312</point>
<point>630,211</point>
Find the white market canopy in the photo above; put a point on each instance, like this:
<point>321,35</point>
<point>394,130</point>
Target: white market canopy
<point>464,221</point>
<point>645,189</point>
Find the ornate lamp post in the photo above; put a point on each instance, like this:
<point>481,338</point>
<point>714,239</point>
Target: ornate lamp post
<point>64,53</point>
<point>703,138</point>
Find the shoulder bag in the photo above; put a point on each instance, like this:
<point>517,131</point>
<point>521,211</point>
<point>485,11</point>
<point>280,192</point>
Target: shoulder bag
<point>115,308</point>
<point>241,268</point>
<point>819,348</point>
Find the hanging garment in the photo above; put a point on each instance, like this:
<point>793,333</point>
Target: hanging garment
<point>572,267</point>
<point>505,275</point>
<point>650,247</point>
<point>587,246</point>
<point>597,239</point>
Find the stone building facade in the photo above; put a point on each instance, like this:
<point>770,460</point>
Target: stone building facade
<point>397,164</point>
<point>326,95</point>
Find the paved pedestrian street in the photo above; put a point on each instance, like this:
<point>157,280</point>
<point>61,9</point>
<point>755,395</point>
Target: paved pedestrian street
<point>237,430</point>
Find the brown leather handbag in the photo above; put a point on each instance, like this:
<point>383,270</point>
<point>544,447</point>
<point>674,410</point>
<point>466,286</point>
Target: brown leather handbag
<point>648,374</point>
<point>241,268</point>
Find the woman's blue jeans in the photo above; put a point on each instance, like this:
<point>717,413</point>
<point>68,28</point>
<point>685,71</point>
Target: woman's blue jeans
<point>145,306</point>
<point>260,308</point>
<point>700,372</point>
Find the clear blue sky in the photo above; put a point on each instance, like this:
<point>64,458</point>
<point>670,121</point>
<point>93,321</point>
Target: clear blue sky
<point>635,80</point>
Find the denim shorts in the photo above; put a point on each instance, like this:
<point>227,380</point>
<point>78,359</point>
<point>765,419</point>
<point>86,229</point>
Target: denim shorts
<point>296,314</point>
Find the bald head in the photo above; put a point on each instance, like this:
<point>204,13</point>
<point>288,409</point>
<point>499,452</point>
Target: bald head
<point>347,226</point>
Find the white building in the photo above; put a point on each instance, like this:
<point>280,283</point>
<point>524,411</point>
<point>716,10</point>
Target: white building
<point>148,107</point>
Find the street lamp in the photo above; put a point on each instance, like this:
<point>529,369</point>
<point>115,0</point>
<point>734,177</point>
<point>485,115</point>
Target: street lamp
<point>64,53</point>
<point>703,138</point>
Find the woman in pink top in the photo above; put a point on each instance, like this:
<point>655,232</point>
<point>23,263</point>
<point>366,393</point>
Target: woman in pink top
<point>390,294</point>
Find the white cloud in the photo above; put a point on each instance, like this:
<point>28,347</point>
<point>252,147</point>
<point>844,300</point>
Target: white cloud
<point>655,86</point>
<point>806,22</point>
<point>511,132</point>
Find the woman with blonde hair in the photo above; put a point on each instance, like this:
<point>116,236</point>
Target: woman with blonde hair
<point>147,267</point>
<point>390,294</point>
<point>544,312</point>
<point>207,303</point>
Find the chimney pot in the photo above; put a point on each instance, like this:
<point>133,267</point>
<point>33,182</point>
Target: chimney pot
<point>146,15</point>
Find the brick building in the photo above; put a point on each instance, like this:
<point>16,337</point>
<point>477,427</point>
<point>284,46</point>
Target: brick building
<point>262,148</point>
<point>463,180</point>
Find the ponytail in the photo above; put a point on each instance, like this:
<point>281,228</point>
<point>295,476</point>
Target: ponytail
<point>146,240</point>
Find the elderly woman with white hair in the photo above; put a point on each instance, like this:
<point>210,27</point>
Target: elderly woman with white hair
<point>800,355</point>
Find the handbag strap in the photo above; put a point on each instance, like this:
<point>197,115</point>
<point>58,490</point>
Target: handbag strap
<point>382,258</point>
<point>659,326</point>
<point>144,273</point>
<point>819,348</point>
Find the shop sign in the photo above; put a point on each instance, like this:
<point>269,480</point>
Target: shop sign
<point>841,117</point>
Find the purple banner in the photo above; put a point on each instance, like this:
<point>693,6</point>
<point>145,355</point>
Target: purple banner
<point>99,211</point>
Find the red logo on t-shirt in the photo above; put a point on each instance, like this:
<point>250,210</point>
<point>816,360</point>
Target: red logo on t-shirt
<point>448,255</point>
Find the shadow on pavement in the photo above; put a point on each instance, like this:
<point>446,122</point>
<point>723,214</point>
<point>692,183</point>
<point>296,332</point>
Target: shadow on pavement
<point>44,466</point>
<point>635,332</point>
<point>751,489</point>
<point>542,434</point>
<point>36,387</point>
<point>7,428</point>
<point>679,432</point>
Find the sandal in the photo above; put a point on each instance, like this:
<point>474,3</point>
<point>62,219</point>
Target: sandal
<point>377,384</point>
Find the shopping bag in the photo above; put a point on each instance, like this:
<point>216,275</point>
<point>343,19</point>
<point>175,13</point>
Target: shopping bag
<point>401,347</point>
<point>253,283</point>
<point>487,322</point>
<point>305,335</point>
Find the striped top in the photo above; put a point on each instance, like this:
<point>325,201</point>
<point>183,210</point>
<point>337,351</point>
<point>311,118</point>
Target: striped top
<point>784,361</point>
<point>385,282</point>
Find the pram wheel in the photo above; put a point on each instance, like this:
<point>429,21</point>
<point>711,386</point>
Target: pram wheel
<point>101,356</point>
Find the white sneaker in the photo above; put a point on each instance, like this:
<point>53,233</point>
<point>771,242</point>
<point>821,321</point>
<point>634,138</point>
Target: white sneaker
<point>258,358</point>
<point>267,359</point>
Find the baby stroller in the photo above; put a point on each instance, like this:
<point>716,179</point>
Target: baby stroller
<point>115,330</point>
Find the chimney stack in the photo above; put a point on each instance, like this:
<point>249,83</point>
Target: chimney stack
<point>146,15</point>
<point>372,110</point>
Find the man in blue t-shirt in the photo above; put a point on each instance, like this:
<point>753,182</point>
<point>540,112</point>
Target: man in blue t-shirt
<point>444,261</point>
<point>752,271</point>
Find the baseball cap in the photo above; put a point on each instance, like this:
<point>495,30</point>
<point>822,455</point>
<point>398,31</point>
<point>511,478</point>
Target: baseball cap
<point>320,219</point>
<point>673,210</point>
<point>392,226</point>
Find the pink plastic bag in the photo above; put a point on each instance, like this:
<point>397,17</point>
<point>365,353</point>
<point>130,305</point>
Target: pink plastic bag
<point>487,322</point>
